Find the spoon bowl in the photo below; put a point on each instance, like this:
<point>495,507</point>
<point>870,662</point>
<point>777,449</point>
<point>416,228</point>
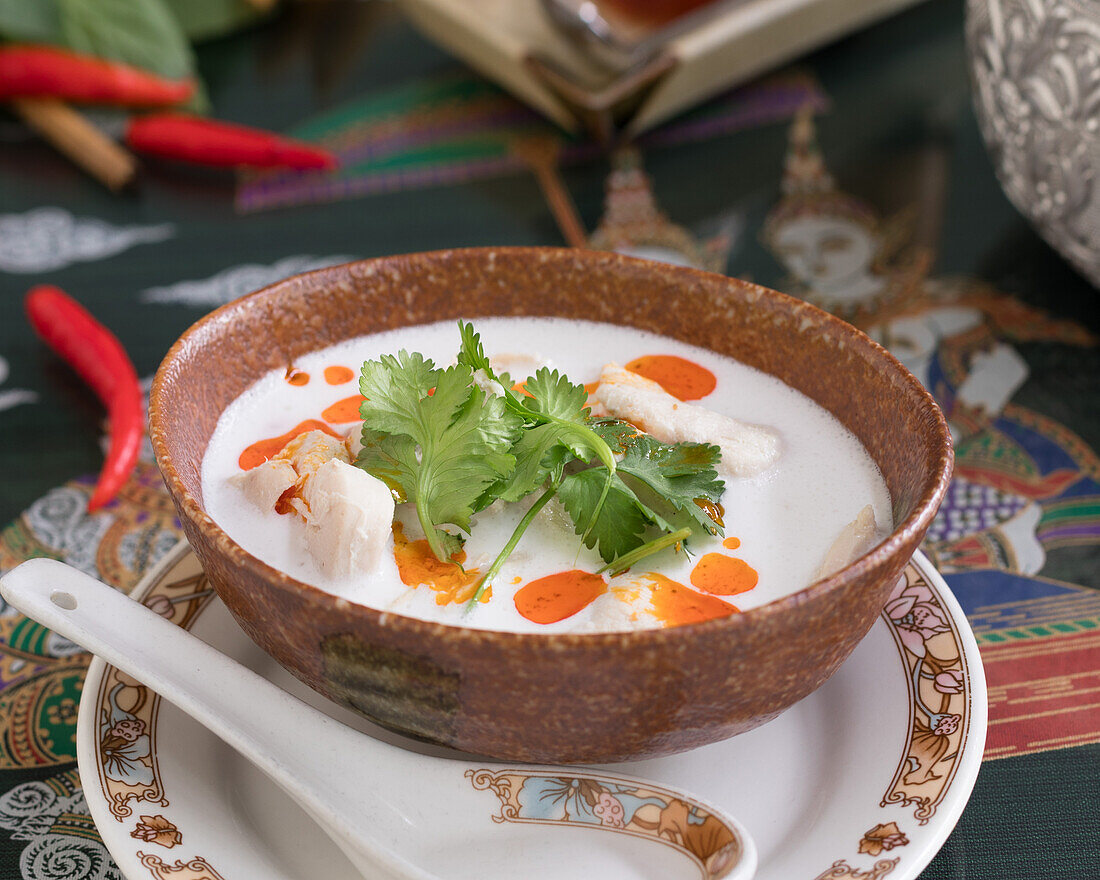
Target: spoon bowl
<point>370,797</point>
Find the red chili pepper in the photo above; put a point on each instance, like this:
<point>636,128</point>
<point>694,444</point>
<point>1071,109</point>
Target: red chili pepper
<point>49,72</point>
<point>210,142</point>
<point>101,361</point>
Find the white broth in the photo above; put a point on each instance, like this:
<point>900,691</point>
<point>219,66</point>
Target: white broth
<point>779,524</point>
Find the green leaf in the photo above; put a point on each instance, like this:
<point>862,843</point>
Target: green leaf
<point>550,398</point>
<point>395,387</point>
<point>557,416</point>
<point>139,32</point>
<point>437,436</point>
<point>540,456</point>
<point>30,21</point>
<point>394,459</point>
<point>616,433</point>
<point>554,396</point>
<point>470,350</point>
<point>661,542</point>
<point>472,353</point>
<point>556,400</point>
<point>678,474</point>
<point>142,33</point>
<point>619,524</point>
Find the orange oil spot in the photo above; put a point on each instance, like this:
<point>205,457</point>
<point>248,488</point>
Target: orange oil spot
<point>521,388</point>
<point>284,504</point>
<point>419,567</point>
<point>345,410</point>
<point>591,387</point>
<point>731,543</point>
<point>676,605</point>
<point>297,377</point>
<point>723,575</point>
<point>338,375</point>
<point>262,450</point>
<point>712,509</point>
<point>680,377</point>
<point>559,595</point>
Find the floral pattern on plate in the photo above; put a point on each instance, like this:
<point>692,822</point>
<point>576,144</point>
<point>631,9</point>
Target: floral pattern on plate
<point>939,694</point>
<point>943,679</point>
<point>126,710</point>
<point>609,803</point>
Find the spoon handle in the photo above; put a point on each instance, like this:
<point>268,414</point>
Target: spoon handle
<point>257,718</point>
<point>368,796</point>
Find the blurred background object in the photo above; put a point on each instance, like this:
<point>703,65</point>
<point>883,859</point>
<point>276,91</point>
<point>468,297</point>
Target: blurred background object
<point>628,65</point>
<point>1035,66</point>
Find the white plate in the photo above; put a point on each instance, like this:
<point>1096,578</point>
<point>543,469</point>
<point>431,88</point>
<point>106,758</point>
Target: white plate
<point>863,779</point>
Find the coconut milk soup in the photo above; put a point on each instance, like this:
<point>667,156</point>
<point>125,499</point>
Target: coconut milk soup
<point>802,497</point>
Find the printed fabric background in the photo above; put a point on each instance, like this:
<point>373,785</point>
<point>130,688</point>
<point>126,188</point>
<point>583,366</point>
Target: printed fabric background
<point>856,179</point>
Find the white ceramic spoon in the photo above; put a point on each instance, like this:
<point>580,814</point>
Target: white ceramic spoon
<point>396,814</point>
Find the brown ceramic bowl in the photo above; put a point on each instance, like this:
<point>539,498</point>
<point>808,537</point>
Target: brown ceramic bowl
<point>554,698</point>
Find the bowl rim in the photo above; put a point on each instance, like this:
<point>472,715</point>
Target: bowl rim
<point>917,521</point>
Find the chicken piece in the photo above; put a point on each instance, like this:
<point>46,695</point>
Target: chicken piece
<point>308,451</point>
<point>747,450</point>
<point>354,442</point>
<point>264,484</point>
<point>349,519</point>
<point>855,539</point>
<point>491,387</point>
<point>285,474</point>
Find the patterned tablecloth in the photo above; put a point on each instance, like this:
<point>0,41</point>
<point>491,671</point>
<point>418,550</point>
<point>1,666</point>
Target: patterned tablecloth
<point>883,207</point>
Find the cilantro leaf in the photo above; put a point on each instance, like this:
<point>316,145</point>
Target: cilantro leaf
<point>551,399</point>
<point>437,436</point>
<point>679,474</point>
<point>617,525</point>
<point>540,456</point>
<point>471,353</point>
<point>394,386</point>
<point>443,443</point>
<point>554,396</point>
<point>557,401</point>
<point>616,433</point>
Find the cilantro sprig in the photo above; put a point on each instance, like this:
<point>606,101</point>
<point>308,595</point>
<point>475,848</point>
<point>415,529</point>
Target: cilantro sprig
<point>437,437</point>
<point>449,447</point>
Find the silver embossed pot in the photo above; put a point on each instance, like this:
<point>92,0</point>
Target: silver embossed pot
<point>1035,68</point>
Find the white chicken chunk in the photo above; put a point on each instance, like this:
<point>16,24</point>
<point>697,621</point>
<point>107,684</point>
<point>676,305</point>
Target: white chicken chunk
<point>265,483</point>
<point>347,512</point>
<point>855,539</point>
<point>490,386</point>
<point>747,450</point>
<point>306,453</point>
<point>349,518</point>
<point>354,442</point>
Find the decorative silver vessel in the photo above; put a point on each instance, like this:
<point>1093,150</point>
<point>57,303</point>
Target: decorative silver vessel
<point>1035,66</point>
